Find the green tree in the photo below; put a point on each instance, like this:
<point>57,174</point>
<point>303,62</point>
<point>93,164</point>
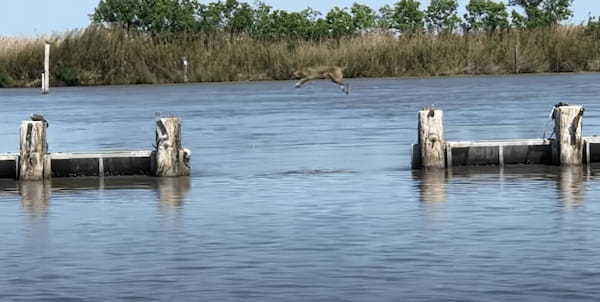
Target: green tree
<point>279,24</point>
<point>539,13</point>
<point>442,16</point>
<point>262,21</point>
<point>295,25</point>
<point>486,15</point>
<point>237,17</point>
<point>384,18</point>
<point>123,13</point>
<point>152,16</point>
<point>168,15</point>
<point>319,29</point>
<point>340,22</point>
<point>363,17</point>
<point>407,17</point>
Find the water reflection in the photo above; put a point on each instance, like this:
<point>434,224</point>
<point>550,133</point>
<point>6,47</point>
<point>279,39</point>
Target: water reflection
<point>571,185</point>
<point>171,194</point>
<point>172,190</point>
<point>35,197</point>
<point>432,193</point>
<point>432,185</point>
<point>570,181</point>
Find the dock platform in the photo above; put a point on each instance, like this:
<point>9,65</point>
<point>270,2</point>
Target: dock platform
<point>34,162</point>
<point>569,147</point>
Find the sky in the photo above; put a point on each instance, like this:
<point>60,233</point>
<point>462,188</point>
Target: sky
<point>40,17</point>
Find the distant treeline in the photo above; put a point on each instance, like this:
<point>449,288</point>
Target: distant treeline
<point>261,21</point>
<point>140,43</point>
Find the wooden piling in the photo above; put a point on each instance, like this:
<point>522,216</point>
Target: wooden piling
<point>170,158</point>
<point>567,148</point>
<point>34,162</point>
<point>46,77</point>
<point>431,138</point>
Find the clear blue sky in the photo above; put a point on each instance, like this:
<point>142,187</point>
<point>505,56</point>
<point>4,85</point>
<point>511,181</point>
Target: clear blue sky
<point>35,17</point>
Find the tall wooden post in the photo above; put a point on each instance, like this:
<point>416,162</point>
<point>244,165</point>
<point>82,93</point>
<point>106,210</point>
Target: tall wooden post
<point>46,76</point>
<point>567,148</point>
<point>431,138</point>
<point>170,158</point>
<point>185,64</point>
<point>34,162</point>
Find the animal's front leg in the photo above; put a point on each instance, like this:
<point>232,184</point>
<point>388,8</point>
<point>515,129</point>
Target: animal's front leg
<point>301,82</point>
<point>345,88</point>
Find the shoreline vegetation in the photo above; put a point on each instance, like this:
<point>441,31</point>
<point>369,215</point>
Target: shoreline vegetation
<point>111,52</point>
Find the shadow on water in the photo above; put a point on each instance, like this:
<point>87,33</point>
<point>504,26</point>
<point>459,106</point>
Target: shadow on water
<point>570,182</point>
<point>36,195</point>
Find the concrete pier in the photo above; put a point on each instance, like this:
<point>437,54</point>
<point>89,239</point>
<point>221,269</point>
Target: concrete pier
<point>116,163</point>
<point>34,162</point>
<point>9,167</point>
<point>509,152</point>
<point>569,147</point>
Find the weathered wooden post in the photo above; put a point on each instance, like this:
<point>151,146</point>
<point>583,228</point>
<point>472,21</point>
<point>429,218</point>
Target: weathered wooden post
<point>46,75</point>
<point>185,64</point>
<point>34,162</point>
<point>431,138</point>
<point>567,148</point>
<point>170,158</point>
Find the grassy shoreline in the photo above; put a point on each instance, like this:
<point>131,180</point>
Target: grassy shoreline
<point>98,56</point>
<point>457,76</point>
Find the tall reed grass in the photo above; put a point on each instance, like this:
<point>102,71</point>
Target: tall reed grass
<point>99,56</point>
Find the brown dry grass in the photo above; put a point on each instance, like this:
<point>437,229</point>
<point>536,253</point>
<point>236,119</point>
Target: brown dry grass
<point>101,56</point>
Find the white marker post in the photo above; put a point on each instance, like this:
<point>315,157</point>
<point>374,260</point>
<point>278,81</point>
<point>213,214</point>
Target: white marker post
<point>46,75</point>
<point>184,61</point>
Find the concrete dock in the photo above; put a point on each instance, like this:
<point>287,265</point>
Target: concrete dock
<point>35,162</point>
<point>569,147</point>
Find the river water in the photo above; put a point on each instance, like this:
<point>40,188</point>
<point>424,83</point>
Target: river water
<point>303,195</point>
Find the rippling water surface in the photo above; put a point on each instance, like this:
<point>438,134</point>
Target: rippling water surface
<point>303,195</point>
